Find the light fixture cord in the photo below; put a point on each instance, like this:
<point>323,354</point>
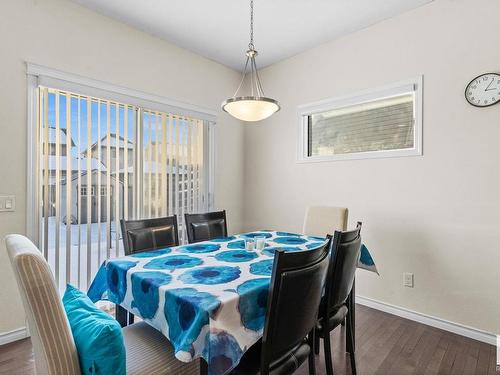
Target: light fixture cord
<point>255,84</point>
<point>250,45</point>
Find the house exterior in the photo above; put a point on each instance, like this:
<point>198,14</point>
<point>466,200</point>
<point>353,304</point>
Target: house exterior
<point>94,167</point>
<point>52,138</point>
<point>78,165</point>
<point>85,189</point>
<point>99,150</point>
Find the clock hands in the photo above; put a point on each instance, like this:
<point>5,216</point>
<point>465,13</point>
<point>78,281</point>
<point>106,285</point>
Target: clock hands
<point>488,87</point>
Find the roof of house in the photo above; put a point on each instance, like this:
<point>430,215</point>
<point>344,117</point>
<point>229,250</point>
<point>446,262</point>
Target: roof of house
<point>94,172</point>
<point>154,167</point>
<point>53,159</point>
<point>52,133</point>
<point>112,142</point>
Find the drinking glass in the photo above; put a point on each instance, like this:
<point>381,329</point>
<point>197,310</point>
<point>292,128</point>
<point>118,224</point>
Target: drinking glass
<point>249,244</point>
<point>260,243</point>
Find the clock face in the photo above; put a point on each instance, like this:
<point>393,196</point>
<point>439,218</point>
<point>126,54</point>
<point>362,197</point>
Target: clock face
<point>484,90</point>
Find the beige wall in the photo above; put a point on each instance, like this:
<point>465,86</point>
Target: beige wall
<point>435,215</point>
<point>65,36</point>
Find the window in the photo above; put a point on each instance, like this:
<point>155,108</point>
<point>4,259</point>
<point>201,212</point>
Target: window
<point>84,190</point>
<point>380,123</point>
<point>99,160</point>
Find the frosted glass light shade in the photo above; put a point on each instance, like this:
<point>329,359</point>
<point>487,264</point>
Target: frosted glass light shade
<point>250,108</point>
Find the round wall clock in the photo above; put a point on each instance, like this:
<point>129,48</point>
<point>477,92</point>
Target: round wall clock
<point>484,90</point>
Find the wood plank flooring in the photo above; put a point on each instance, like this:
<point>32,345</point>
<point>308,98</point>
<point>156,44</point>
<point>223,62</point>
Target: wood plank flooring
<point>386,345</point>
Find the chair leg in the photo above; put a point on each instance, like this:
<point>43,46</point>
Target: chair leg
<point>352,313</point>
<point>203,367</point>
<point>312,344</point>
<point>121,315</point>
<point>350,343</point>
<point>348,336</point>
<point>316,343</point>
<point>328,352</point>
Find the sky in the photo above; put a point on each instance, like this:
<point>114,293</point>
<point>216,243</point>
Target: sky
<point>99,128</point>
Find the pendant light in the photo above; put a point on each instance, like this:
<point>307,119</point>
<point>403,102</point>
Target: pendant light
<point>256,106</point>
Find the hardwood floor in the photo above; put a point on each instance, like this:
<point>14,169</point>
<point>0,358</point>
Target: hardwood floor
<point>386,344</point>
<point>17,358</point>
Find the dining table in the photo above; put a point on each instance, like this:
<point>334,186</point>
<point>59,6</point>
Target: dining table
<point>208,298</point>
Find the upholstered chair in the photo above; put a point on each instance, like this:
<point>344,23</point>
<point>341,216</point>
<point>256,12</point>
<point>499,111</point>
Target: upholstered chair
<point>206,226</point>
<point>323,220</point>
<point>147,350</point>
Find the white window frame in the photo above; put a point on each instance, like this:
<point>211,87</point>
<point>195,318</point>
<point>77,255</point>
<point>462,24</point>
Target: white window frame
<point>40,75</point>
<point>414,85</point>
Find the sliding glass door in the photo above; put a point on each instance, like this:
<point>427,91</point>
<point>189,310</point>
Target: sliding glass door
<point>100,161</point>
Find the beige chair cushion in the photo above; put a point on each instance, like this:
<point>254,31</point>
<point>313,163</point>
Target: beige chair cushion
<point>53,345</point>
<point>150,353</point>
<point>322,220</point>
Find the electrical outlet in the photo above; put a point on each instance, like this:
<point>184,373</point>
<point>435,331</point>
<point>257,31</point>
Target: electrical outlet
<point>408,279</point>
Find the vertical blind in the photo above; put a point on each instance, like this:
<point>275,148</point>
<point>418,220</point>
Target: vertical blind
<point>385,124</point>
<point>172,166</point>
<point>100,161</point>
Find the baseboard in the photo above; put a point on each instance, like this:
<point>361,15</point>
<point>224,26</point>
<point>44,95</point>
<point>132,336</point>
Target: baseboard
<point>17,334</point>
<point>432,321</point>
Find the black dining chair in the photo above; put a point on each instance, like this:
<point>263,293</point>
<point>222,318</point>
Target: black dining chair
<point>149,234</point>
<point>206,226</point>
<point>297,281</point>
<point>145,235</point>
<point>334,309</point>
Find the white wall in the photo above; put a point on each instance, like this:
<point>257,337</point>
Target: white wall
<point>435,215</point>
<point>65,36</point>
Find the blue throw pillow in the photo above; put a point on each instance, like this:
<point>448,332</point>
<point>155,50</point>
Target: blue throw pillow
<point>98,337</point>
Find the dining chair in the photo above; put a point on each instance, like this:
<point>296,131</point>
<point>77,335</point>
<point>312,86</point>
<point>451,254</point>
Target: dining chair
<point>334,309</point>
<point>206,226</point>
<point>322,220</point>
<point>147,350</point>
<point>145,235</point>
<point>149,234</point>
<point>297,281</point>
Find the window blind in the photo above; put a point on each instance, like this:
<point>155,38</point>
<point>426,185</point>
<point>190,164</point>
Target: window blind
<point>385,124</point>
<point>100,161</point>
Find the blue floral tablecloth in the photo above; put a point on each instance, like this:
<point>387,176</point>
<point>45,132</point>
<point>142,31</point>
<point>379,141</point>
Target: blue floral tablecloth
<point>209,298</point>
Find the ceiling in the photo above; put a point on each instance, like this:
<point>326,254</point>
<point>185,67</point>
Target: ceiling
<point>219,29</point>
